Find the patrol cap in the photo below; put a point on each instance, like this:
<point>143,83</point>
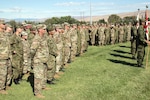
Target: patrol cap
<point>50,28</point>
<point>19,26</point>
<point>2,22</point>
<point>33,28</point>
<point>8,25</point>
<point>66,24</point>
<point>41,26</point>
<point>23,33</point>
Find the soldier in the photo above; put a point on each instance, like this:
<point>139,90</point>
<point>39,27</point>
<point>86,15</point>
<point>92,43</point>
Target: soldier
<point>134,39</point>
<point>83,39</point>
<point>33,32</point>
<point>58,39</point>
<point>17,54</point>
<point>40,54</point>
<point>8,33</point>
<point>4,57</point>
<point>74,38</point>
<point>52,56</point>
<point>141,43</point>
<point>78,40</point>
<point>67,43</point>
<point>112,34</point>
<point>26,53</point>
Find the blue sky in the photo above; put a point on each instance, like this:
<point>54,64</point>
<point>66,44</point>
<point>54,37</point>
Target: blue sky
<point>11,9</point>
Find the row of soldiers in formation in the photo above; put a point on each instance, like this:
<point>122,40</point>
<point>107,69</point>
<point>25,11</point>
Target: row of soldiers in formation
<point>45,51</point>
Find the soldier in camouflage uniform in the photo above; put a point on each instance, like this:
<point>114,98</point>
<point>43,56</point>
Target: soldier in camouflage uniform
<point>74,38</point>
<point>8,33</point>
<point>134,39</point>
<point>121,33</point>
<point>112,35</point>
<point>17,54</point>
<point>107,35</point>
<point>4,57</point>
<point>40,54</point>
<point>87,38</point>
<point>141,43</point>
<point>67,43</point>
<point>58,39</point>
<point>26,53</point>
<point>32,33</point>
<point>83,39</point>
<point>78,40</point>
<point>52,56</point>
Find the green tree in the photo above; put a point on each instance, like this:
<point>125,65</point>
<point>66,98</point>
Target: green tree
<point>102,21</point>
<point>129,19</point>
<point>114,19</point>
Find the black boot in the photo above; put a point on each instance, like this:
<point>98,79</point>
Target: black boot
<point>16,81</point>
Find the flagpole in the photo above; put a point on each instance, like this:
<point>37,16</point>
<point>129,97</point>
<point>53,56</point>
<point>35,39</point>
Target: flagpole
<point>146,30</point>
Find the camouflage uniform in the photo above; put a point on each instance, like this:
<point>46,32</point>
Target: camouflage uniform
<point>121,34</point>
<point>83,40</point>
<point>4,59</point>
<point>26,55</point>
<point>40,55</point>
<point>74,38</point>
<point>133,41</point>
<point>78,41</point>
<point>52,59</point>
<point>8,33</point>
<point>17,56</point>
<point>58,39</point>
<point>140,45</point>
<point>67,45</point>
<point>112,33</point>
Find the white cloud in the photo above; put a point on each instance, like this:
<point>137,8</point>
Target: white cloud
<point>69,4</point>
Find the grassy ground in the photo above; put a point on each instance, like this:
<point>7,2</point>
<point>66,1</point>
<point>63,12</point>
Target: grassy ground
<point>102,73</point>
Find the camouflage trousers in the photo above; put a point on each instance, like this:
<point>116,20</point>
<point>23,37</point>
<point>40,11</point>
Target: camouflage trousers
<point>17,67</point>
<point>26,65</point>
<point>40,77</point>
<point>140,54</point>
<point>9,73</point>
<point>51,68</point>
<point>3,73</point>
<point>133,48</point>
<point>121,38</point>
<point>67,52</point>
<point>83,44</point>
<point>59,60</point>
<point>73,50</point>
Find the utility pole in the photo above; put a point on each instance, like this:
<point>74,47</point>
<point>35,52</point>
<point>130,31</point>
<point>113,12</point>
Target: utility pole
<point>90,13</point>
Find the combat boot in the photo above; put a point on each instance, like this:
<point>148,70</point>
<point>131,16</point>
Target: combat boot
<point>40,96</point>
<point>46,88</point>
<point>3,92</point>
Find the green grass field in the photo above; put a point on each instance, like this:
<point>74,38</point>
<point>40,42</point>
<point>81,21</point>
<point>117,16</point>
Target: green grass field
<point>102,73</point>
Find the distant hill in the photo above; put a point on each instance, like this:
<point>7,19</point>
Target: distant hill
<point>122,15</point>
<point>86,18</point>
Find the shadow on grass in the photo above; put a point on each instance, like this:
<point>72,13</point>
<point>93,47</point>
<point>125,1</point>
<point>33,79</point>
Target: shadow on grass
<point>123,62</point>
<point>118,55</point>
<point>120,51</point>
<point>124,46</point>
<point>31,80</point>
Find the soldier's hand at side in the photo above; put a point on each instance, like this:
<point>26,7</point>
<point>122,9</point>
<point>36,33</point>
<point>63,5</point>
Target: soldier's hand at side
<point>148,42</point>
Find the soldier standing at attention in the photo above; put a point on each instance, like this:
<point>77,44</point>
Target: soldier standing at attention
<point>40,54</point>
<point>8,33</point>
<point>4,57</point>
<point>52,56</point>
<point>17,54</point>
<point>141,43</point>
<point>26,53</point>
<point>134,39</point>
